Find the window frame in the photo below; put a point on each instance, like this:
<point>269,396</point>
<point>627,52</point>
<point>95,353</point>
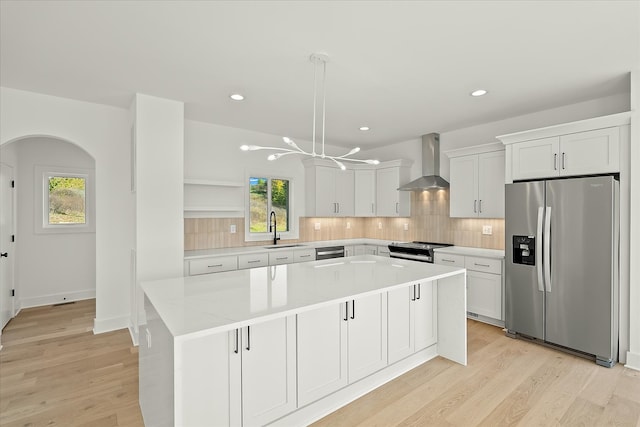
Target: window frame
<point>250,236</point>
<point>42,174</point>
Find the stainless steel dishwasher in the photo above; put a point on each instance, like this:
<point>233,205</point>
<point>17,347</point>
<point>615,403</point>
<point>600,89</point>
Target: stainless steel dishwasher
<point>329,252</point>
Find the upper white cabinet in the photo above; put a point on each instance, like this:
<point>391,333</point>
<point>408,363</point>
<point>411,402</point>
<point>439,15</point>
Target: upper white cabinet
<point>389,200</point>
<point>477,183</point>
<point>579,148</point>
<point>365,192</point>
<point>330,190</point>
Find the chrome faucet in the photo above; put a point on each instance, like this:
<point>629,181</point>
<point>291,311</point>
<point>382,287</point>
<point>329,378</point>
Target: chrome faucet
<point>273,225</point>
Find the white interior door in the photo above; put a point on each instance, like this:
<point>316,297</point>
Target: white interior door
<point>6,245</point>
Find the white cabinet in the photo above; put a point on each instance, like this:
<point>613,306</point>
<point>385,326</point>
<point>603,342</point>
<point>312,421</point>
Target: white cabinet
<point>485,285</point>
<point>268,353</point>
<point>383,251</point>
<point>302,255</point>
<point>212,265</point>
<point>246,376</point>
<point>579,153</point>
<point>365,250</point>
<point>253,260</point>
<point>322,352</point>
<point>389,200</point>
<point>280,257</point>
<point>412,320</point>
<point>330,190</point>
<point>349,250</point>
<point>365,192</point>
<point>477,185</point>
<point>340,344</point>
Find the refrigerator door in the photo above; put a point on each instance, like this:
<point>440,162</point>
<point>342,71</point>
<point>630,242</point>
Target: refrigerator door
<point>524,289</point>
<point>580,300</point>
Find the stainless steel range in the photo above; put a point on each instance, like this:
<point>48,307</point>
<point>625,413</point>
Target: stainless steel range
<point>415,251</point>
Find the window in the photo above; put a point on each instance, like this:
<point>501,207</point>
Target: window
<point>267,195</point>
<point>66,200</point>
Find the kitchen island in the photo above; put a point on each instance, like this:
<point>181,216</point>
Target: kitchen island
<point>288,344</point>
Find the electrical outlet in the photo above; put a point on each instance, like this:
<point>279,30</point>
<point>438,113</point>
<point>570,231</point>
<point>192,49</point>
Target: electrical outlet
<point>316,226</point>
<point>406,226</point>
<point>233,228</point>
<point>348,225</point>
<point>487,229</point>
<point>379,226</point>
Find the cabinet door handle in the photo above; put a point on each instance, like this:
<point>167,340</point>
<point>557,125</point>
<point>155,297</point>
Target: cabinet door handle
<point>397,207</point>
<point>413,296</point>
<point>305,256</point>
<point>481,265</point>
<point>253,261</point>
<point>555,162</point>
<point>214,265</point>
<point>235,350</point>
<point>248,338</point>
<point>419,291</point>
<point>448,260</point>
<point>480,205</point>
<point>353,309</point>
<point>563,161</point>
<point>346,311</point>
<point>372,211</point>
<point>475,210</point>
<point>281,258</point>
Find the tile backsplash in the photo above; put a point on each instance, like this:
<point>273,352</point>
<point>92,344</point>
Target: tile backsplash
<point>429,221</point>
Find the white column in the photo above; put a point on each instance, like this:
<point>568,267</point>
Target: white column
<point>633,355</point>
<point>159,175</point>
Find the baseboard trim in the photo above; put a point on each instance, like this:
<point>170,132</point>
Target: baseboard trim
<point>101,326</point>
<point>328,404</point>
<point>58,298</point>
<point>633,361</point>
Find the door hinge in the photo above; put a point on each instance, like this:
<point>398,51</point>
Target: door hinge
<point>13,292</point>
<point>13,184</point>
<point>13,237</point>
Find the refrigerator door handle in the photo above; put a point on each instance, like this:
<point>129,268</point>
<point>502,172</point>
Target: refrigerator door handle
<point>539,249</point>
<point>547,248</point>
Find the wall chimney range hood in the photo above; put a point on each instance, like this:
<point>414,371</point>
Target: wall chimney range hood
<point>430,166</point>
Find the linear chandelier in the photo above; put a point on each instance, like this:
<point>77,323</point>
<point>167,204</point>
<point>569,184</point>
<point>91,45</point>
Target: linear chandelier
<point>318,59</point>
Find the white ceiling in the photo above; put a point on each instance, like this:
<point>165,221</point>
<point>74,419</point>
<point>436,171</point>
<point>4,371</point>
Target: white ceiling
<point>402,68</point>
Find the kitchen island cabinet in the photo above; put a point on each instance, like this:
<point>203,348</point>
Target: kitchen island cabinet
<point>221,349</point>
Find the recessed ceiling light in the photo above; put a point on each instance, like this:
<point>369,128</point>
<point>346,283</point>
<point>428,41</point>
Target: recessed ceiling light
<point>363,128</point>
<point>479,92</point>
<point>236,97</point>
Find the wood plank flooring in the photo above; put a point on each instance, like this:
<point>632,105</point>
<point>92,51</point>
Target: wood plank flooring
<point>55,372</point>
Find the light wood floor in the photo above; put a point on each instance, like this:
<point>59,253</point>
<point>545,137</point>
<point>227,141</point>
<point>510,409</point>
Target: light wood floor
<point>55,372</point>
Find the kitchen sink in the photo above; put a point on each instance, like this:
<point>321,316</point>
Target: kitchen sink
<point>282,246</point>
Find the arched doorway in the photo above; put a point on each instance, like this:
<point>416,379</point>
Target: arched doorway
<point>53,255</point>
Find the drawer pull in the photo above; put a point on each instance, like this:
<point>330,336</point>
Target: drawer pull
<point>481,265</point>
<point>281,258</point>
<point>214,265</point>
<point>447,260</point>
<point>253,261</point>
<point>305,256</point>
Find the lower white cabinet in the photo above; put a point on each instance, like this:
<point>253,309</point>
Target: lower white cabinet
<point>340,344</point>
<point>365,250</point>
<point>243,377</point>
<point>253,260</point>
<point>383,251</point>
<point>411,319</point>
<point>303,255</point>
<point>485,285</point>
<point>212,265</point>
<point>280,257</point>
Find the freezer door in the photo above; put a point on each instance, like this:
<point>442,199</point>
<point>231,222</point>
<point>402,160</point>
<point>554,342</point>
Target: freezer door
<point>524,291</point>
<point>580,300</point>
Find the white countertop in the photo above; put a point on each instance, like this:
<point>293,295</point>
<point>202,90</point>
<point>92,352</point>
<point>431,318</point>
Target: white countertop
<point>242,250</point>
<point>225,301</point>
<point>468,251</point>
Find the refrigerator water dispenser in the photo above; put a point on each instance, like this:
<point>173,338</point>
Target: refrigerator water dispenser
<point>524,250</point>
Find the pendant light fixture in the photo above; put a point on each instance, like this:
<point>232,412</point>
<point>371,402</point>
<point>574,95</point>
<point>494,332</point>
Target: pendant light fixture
<point>318,60</point>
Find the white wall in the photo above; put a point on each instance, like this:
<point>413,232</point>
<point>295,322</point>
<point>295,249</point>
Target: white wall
<point>53,267</point>
<point>633,356</point>
<point>411,150</point>
<point>213,152</point>
<point>103,132</point>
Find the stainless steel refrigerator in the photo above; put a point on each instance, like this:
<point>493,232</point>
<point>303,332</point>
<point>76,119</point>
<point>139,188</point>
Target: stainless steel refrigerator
<point>561,264</point>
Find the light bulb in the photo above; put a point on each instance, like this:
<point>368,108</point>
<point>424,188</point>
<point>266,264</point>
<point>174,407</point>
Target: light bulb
<point>244,147</point>
<point>354,151</point>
